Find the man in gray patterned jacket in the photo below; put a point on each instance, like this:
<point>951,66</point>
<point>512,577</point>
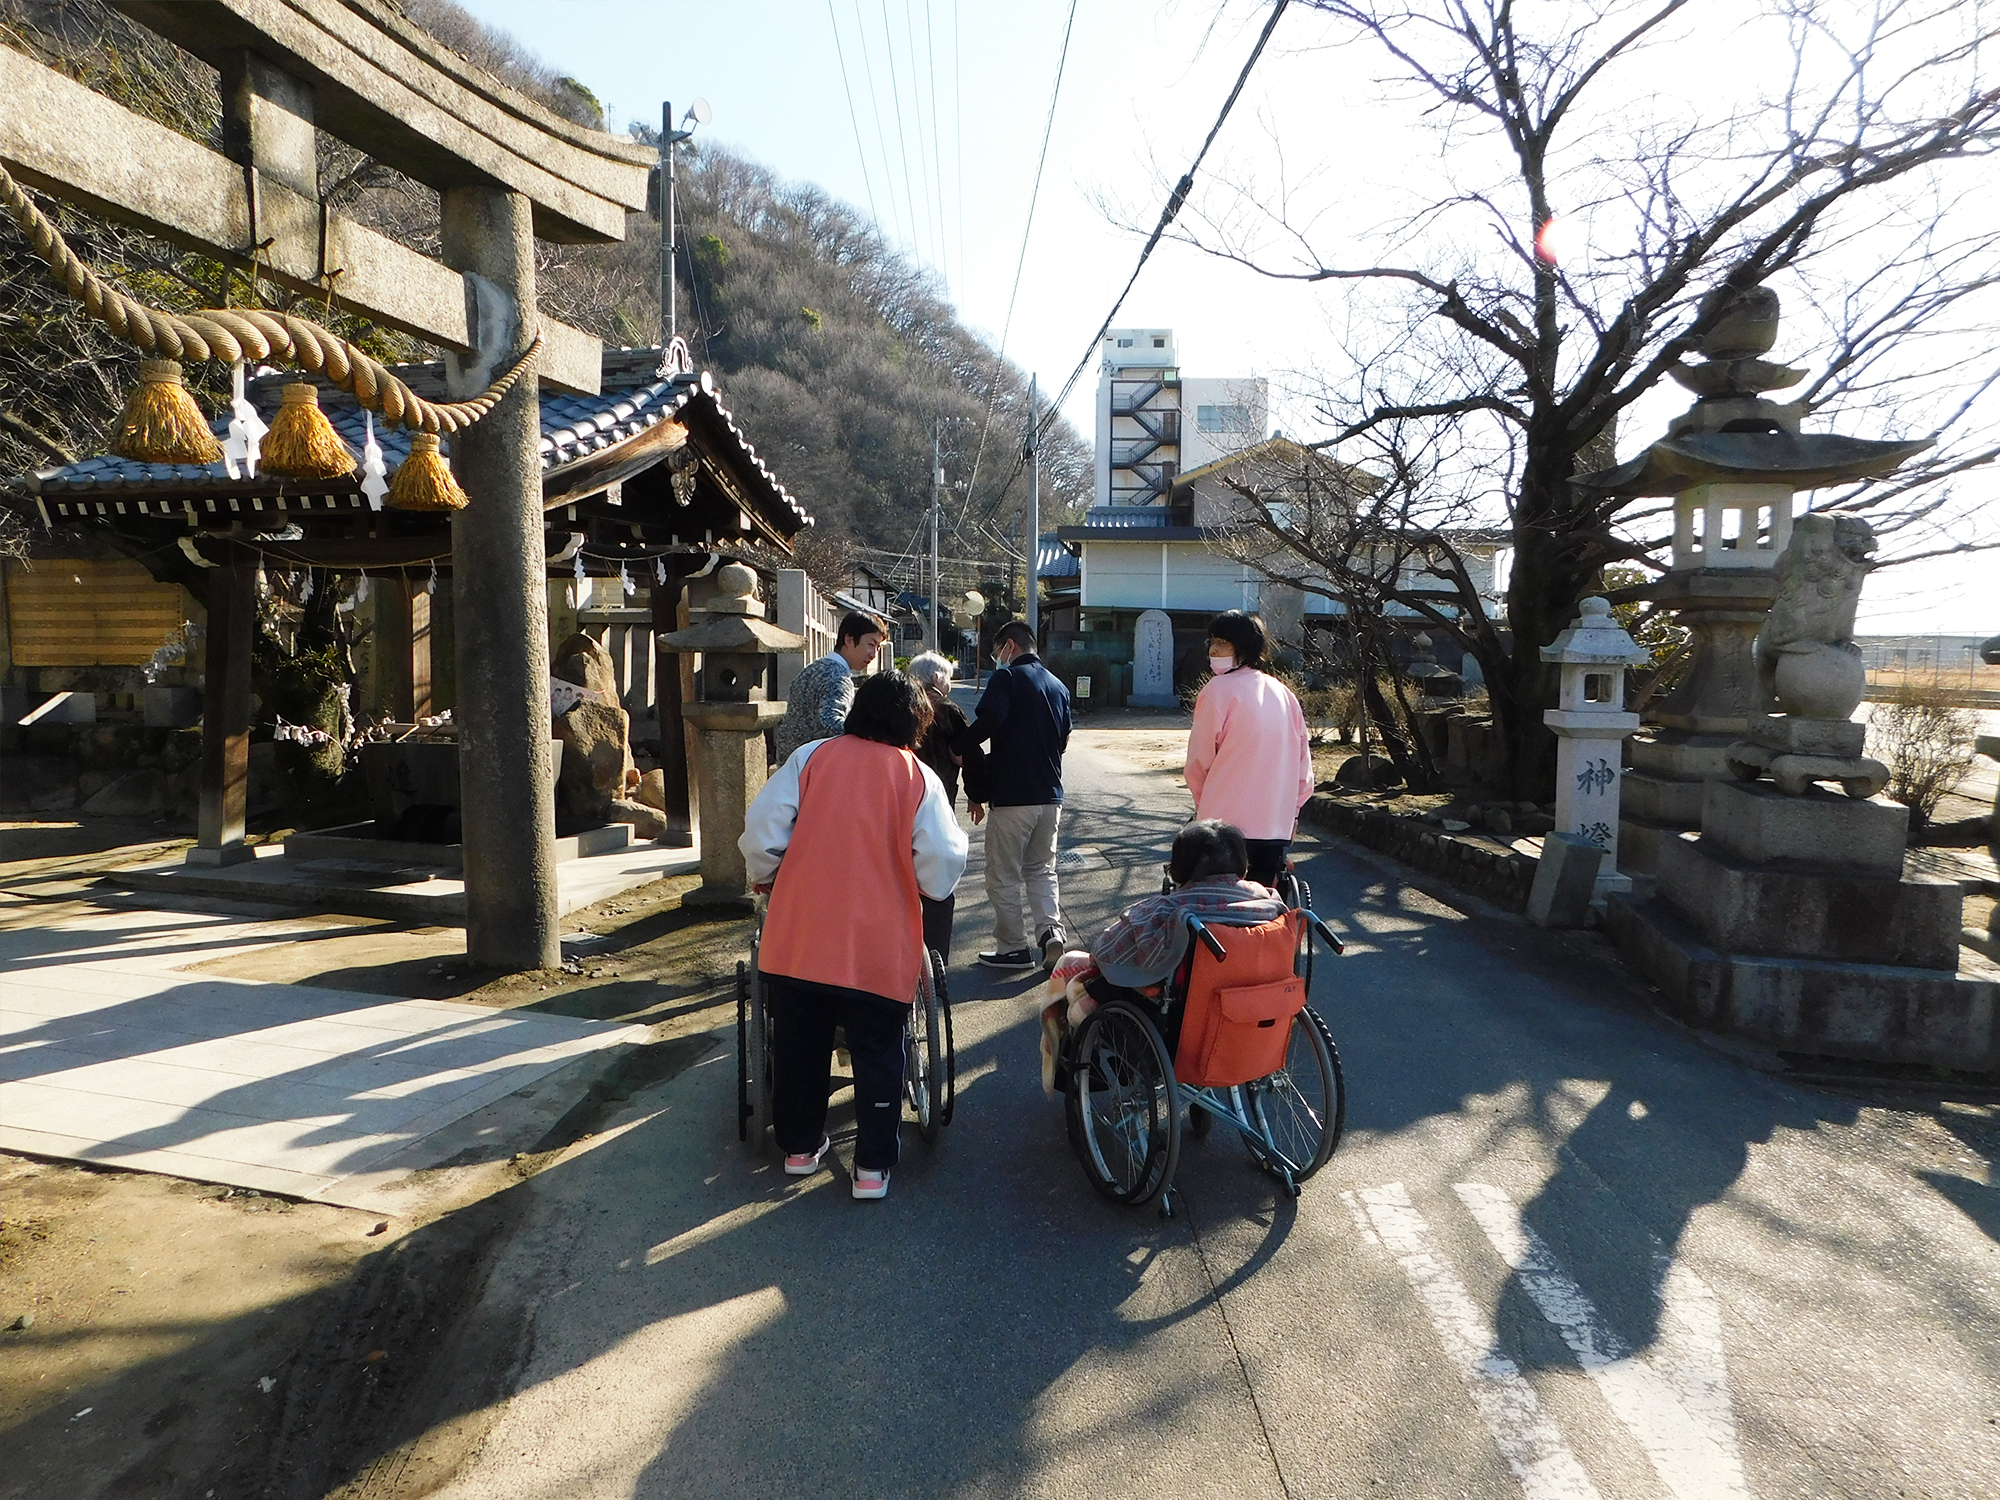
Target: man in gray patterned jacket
<point>816,707</point>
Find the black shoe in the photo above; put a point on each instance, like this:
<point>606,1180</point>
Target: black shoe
<point>1013,958</point>
<point>1053,946</point>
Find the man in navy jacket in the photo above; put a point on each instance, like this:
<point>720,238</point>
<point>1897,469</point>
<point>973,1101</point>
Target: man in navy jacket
<point>1025,714</point>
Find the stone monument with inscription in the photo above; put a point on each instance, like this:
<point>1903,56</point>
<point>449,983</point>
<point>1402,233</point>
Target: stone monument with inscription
<point>1153,662</point>
<point>1590,723</point>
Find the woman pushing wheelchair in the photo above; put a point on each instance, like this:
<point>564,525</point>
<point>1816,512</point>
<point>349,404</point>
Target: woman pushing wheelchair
<point>846,836</point>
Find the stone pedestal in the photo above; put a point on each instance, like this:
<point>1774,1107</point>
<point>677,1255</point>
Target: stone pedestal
<point>1789,922</point>
<point>1587,785</point>
<point>1988,745</point>
<point>729,767</point>
<point>1709,709</point>
<point>1795,752</point>
<point>1590,724</point>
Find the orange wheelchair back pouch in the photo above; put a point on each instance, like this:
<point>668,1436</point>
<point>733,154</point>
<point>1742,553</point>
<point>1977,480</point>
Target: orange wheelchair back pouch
<point>1238,1019</point>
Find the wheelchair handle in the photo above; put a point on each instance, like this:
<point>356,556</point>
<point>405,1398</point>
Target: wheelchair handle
<point>1326,933</point>
<point>1209,939</point>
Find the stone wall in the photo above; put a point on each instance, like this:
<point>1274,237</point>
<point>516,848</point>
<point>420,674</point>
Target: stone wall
<point>1501,877</point>
<point>124,770</point>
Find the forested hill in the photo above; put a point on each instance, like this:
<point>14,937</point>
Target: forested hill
<point>847,355</point>
<point>838,356</point>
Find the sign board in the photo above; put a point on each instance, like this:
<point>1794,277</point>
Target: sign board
<point>1083,687</point>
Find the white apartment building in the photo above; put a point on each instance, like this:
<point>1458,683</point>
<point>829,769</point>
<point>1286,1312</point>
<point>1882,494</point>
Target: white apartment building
<point>1154,425</point>
<point>1166,447</point>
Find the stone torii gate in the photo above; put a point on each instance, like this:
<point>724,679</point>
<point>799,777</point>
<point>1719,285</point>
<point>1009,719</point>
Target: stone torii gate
<point>507,171</point>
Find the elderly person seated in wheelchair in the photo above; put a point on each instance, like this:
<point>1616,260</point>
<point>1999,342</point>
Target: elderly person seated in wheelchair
<point>1145,944</point>
<point>847,836</point>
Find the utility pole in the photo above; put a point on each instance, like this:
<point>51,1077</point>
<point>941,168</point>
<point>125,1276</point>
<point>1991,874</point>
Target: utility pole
<point>937,512</point>
<point>1034,538</point>
<point>697,114</point>
<point>669,309</point>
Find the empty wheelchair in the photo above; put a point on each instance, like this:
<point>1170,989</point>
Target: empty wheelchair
<point>1231,1038</point>
<point>930,1067</point>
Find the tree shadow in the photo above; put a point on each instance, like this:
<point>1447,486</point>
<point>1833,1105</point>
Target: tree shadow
<point>928,1344</point>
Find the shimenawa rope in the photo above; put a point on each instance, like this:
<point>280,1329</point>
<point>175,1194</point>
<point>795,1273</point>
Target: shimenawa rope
<point>230,334</point>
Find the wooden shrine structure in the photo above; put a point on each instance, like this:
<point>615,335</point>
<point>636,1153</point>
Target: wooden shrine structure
<point>652,477</point>
<point>507,171</point>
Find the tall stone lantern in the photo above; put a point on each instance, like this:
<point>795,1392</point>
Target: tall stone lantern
<point>1590,724</point>
<point>1732,464</point>
<point>730,713</point>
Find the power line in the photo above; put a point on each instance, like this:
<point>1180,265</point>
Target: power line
<point>924,174</point>
<point>1000,355</point>
<point>875,102</point>
<point>937,150</point>
<point>1175,201</point>
<point>902,131</point>
<point>958,128</point>
<point>853,118</point>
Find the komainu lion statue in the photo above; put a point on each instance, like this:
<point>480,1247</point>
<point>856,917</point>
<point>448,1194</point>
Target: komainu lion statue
<point>1806,657</point>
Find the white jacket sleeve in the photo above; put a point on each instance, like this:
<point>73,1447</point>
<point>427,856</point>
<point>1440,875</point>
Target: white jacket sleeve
<point>767,823</point>
<point>937,840</point>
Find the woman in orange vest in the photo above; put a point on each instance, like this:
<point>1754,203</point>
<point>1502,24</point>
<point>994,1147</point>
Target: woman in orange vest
<point>846,836</point>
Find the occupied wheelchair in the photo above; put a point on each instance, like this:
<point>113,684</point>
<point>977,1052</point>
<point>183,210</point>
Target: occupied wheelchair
<point>1249,1050</point>
<point>930,1065</point>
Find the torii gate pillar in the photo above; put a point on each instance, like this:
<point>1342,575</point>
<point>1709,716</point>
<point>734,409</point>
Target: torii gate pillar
<point>500,594</point>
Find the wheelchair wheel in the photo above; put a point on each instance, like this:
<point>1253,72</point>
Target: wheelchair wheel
<point>923,1063</point>
<point>753,1054</point>
<point>950,1047</point>
<point>1123,1106</point>
<point>1299,1111</point>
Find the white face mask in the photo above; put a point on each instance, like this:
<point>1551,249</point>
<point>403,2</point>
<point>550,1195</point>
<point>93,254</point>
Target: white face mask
<point>1220,664</point>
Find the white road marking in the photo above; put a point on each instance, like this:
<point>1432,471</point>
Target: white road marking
<point>1361,1219</point>
<point>1527,1438</point>
<point>1681,1419</point>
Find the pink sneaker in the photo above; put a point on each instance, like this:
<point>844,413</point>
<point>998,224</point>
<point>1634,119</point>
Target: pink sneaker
<point>807,1163</point>
<point>869,1183</point>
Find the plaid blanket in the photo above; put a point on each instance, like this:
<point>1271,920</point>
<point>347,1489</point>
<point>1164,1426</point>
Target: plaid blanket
<point>1146,944</point>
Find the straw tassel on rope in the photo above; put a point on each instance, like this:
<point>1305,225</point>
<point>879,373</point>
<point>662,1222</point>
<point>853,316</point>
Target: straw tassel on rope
<point>302,443</point>
<point>160,423</point>
<point>424,480</point>
<point>232,334</point>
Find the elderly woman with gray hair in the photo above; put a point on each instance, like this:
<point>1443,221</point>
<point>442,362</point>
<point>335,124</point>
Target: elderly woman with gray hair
<point>933,674</point>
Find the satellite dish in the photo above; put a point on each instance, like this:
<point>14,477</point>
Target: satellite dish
<point>975,601</point>
<point>698,112</point>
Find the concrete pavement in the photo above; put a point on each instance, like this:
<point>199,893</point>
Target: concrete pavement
<point>1567,1250</point>
<point>112,1051</point>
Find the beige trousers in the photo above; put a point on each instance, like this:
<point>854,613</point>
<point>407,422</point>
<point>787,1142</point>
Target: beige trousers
<point>1021,851</point>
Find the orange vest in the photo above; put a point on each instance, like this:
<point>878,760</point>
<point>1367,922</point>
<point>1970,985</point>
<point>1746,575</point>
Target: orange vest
<point>845,910</point>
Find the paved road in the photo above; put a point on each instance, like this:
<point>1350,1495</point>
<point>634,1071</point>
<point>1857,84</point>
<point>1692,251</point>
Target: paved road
<point>1566,1251</point>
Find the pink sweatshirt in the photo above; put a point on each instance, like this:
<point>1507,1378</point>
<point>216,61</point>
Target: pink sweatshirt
<point>1248,759</point>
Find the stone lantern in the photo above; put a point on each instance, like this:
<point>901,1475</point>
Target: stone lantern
<point>1732,463</point>
<point>1590,723</point>
<point>730,714</point>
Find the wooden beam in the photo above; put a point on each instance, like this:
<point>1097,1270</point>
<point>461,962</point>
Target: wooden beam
<point>402,648</point>
<point>394,91</point>
<point>614,465</point>
<point>225,716</point>
<point>57,135</point>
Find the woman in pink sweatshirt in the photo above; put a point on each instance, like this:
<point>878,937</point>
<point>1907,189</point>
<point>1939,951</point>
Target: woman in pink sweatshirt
<point>1249,761</point>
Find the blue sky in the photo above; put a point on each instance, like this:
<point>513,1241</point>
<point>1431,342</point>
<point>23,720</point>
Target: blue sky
<point>949,100</point>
